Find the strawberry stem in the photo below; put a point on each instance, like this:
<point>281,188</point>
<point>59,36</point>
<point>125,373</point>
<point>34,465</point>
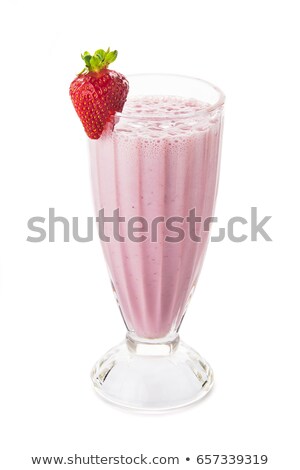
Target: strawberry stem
<point>100,60</point>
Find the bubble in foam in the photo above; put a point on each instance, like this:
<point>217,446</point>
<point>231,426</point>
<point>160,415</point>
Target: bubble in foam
<point>156,119</point>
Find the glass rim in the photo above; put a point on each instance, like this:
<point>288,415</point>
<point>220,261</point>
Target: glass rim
<point>212,107</point>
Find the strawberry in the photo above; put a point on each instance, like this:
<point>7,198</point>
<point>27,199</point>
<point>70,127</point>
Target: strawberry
<point>98,93</point>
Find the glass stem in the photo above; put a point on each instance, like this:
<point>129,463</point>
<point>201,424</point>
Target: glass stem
<point>152,347</point>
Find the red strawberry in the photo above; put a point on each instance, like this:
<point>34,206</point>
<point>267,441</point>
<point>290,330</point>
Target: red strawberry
<point>97,93</point>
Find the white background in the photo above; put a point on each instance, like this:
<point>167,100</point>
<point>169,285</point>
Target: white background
<point>58,314</point>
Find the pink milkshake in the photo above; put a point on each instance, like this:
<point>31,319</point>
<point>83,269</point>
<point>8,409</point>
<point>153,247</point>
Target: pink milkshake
<point>159,160</point>
<point>155,146</point>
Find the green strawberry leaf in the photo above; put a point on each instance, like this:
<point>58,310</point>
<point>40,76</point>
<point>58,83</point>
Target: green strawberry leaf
<point>100,60</point>
<point>111,57</point>
<point>95,63</point>
<point>101,53</point>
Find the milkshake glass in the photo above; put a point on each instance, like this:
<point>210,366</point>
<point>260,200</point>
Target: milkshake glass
<point>155,175</point>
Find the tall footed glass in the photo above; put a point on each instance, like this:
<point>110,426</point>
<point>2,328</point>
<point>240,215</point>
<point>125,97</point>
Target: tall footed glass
<point>155,175</point>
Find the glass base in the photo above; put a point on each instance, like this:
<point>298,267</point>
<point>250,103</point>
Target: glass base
<point>152,375</point>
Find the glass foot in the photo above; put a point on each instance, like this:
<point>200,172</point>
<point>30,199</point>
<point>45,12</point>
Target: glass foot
<point>152,375</point>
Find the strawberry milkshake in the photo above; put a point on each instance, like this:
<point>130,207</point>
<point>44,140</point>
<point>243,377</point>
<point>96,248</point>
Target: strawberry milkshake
<point>152,170</point>
<point>154,143</point>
